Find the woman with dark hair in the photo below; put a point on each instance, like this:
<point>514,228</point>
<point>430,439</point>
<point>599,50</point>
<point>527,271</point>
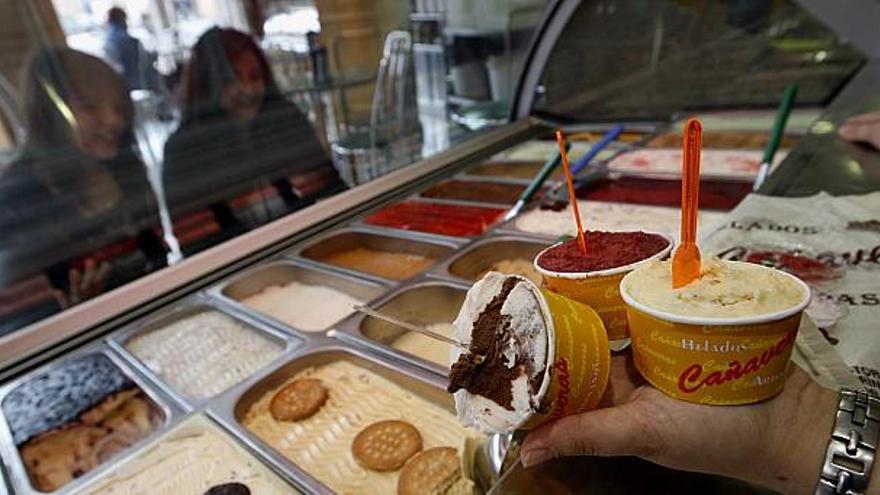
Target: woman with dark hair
<point>240,144</point>
<point>77,205</point>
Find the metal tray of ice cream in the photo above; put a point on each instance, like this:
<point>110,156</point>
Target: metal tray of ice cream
<point>509,228</point>
<point>464,177</point>
<point>423,302</point>
<point>282,271</point>
<point>475,259</point>
<point>460,202</point>
<point>122,474</point>
<point>360,222</point>
<point>312,252</point>
<point>15,469</point>
<point>190,306</point>
<point>469,174</point>
<point>230,408</point>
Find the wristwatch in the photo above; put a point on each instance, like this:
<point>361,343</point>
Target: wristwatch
<point>850,453</point>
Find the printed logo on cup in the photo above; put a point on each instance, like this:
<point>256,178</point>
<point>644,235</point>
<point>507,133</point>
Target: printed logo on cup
<point>582,363</point>
<point>736,364</point>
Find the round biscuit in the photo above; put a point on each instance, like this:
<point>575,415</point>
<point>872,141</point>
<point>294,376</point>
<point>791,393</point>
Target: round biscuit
<point>386,445</point>
<point>431,471</point>
<point>298,400</point>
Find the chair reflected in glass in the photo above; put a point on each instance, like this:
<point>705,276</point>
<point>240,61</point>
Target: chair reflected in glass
<point>392,137</point>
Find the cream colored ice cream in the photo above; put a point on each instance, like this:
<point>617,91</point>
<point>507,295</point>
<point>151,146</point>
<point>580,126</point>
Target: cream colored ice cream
<point>190,459</point>
<point>203,354</point>
<point>358,397</point>
<point>726,289</point>
<point>518,266</point>
<point>388,264</point>
<point>312,308</point>
<point>613,217</point>
<point>426,347</point>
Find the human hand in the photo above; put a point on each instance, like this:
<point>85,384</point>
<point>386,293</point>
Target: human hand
<point>779,443</point>
<point>863,128</point>
<point>88,282</point>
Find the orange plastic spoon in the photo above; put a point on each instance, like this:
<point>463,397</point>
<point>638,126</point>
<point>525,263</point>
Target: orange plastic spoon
<point>572,198</point>
<point>686,262</point>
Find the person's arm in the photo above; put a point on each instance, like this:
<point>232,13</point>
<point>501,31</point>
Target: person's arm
<point>779,443</point>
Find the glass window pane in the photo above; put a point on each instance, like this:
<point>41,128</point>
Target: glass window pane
<point>136,133</point>
<point>649,59</point>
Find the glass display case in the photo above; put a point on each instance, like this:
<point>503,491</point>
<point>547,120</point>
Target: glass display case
<point>245,275</point>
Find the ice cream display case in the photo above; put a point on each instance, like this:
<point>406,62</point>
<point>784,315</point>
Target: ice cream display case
<point>193,365</point>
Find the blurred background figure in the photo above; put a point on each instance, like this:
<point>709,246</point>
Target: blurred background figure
<point>863,128</point>
<point>76,209</point>
<point>242,150</point>
<point>127,54</point>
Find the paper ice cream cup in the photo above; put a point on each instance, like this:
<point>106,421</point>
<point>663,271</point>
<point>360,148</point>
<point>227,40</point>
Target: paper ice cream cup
<point>579,360</point>
<point>574,357</point>
<point>718,361</point>
<point>599,289</point>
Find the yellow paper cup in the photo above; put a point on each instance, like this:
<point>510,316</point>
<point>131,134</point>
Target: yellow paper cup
<point>719,361</point>
<point>599,289</point>
<point>578,356</point>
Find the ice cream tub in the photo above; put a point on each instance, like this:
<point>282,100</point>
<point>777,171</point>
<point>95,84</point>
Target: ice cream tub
<point>518,170</point>
<point>496,192</point>
<point>429,303</point>
<point>67,422</point>
<point>723,360</point>
<point>290,294</point>
<point>548,356</point>
<point>316,452</point>
<point>389,255</point>
<point>198,347</point>
<point>196,456</point>
<point>598,289</point>
<point>439,217</point>
<point>511,254</point>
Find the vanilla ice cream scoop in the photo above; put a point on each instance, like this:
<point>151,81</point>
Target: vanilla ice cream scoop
<point>725,289</point>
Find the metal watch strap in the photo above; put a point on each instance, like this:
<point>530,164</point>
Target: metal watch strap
<point>853,445</point>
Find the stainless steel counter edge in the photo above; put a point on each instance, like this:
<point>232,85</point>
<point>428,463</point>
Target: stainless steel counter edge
<point>69,328</point>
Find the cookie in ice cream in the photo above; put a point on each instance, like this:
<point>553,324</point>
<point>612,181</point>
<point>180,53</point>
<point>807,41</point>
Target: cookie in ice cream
<point>386,445</point>
<point>432,471</point>
<point>299,400</point>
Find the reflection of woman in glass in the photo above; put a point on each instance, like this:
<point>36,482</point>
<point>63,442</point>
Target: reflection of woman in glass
<point>241,149</point>
<point>77,205</point>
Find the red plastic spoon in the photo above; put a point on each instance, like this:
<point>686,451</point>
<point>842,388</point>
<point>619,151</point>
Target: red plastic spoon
<point>686,262</point>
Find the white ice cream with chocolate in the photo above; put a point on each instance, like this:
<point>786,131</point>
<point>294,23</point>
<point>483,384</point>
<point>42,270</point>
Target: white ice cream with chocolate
<point>500,381</point>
